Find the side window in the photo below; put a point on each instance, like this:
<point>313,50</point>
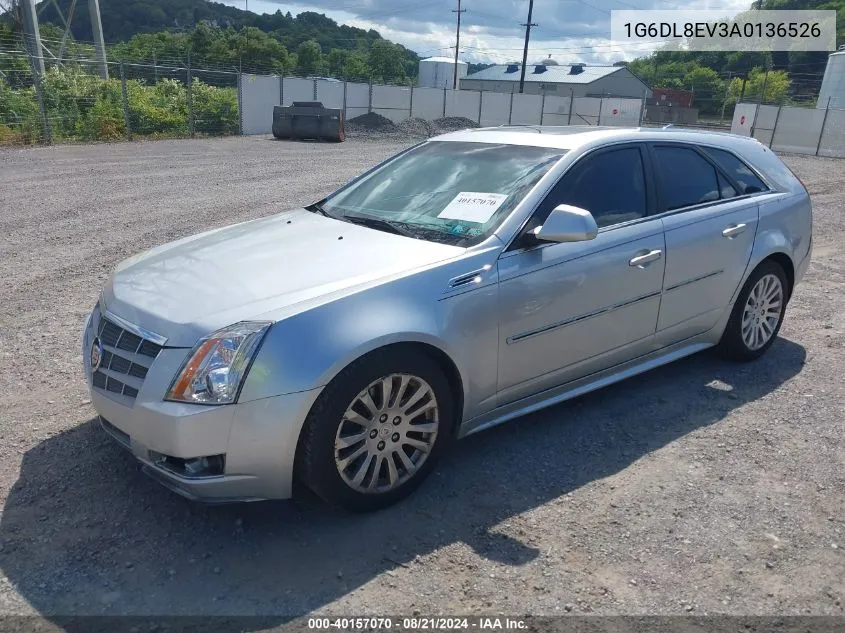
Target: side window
<point>610,185</point>
<point>725,188</point>
<point>739,170</point>
<point>688,179</point>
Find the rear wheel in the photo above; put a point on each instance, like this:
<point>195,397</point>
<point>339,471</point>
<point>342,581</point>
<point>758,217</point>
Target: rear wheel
<point>377,430</point>
<point>757,314</point>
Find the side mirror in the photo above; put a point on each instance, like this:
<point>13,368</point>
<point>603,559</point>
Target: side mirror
<point>567,224</point>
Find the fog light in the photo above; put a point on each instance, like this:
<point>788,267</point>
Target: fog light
<point>208,466</point>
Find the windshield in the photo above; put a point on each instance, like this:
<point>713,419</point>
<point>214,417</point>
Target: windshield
<point>451,192</point>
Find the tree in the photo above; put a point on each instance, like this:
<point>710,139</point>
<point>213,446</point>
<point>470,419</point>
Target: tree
<point>777,85</point>
<point>385,62</point>
<point>309,56</point>
<point>708,88</point>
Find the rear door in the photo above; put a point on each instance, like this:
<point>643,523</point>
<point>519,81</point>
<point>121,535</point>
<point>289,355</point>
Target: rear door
<point>710,220</point>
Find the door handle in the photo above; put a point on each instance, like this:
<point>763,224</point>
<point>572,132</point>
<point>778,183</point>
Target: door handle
<point>733,231</point>
<point>645,259</point>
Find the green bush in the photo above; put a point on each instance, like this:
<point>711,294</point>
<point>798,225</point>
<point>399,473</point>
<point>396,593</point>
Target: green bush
<point>82,106</point>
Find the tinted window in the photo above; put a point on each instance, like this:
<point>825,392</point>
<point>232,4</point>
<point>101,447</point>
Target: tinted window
<point>725,188</point>
<point>687,178</point>
<point>739,170</point>
<point>610,185</point>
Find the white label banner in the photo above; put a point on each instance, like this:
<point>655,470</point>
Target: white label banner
<point>471,206</point>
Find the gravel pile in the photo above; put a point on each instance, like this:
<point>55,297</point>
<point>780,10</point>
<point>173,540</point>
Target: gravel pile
<point>370,122</point>
<point>416,127</point>
<point>453,123</point>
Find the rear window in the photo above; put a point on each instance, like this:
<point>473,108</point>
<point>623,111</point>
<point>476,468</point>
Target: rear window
<point>688,179</point>
<point>741,172</point>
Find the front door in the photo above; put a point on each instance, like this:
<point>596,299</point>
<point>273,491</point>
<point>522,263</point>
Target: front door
<point>569,309</point>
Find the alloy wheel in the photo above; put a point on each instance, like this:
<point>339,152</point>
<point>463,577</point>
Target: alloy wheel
<point>386,433</point>
<point>762,312</point>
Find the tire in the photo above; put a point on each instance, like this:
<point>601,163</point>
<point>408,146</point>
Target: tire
<point>329,457</point>
<point>733,344</point>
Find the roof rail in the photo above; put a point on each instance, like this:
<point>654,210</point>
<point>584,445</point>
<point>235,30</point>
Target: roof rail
<point>536,128</point>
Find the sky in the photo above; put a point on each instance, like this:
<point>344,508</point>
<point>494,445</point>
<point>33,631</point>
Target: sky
<point>568,30</point>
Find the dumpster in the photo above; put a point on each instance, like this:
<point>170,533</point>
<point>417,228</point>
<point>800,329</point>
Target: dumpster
<point>308,120</point>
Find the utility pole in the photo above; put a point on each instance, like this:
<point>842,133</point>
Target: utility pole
<point>527,26</point>
<point>33,36</point>
<point>97,29</point>
<point>458,44</point>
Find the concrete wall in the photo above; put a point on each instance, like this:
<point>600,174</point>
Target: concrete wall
<point>259,94</point>
<point>789,129</point>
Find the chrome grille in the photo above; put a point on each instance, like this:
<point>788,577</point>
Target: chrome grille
<point>126,358</point>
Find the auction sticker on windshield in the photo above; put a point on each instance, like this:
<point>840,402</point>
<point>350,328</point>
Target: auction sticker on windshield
<point>471,206</point>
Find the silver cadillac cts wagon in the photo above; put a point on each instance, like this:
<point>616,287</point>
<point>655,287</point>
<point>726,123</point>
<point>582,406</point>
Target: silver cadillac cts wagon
<point>468,280</point>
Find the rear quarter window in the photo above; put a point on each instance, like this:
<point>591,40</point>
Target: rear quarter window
<point>741,172</point>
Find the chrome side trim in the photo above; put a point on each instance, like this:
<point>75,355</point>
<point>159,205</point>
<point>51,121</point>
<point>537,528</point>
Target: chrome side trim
<point>583,317</point>
<point>468,278</point>
<point>158,339</point>
<point>693,280</point>
<point>588,383</point>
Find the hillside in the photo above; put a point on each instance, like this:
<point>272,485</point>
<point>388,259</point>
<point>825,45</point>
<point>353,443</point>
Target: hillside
<point>220,33</point>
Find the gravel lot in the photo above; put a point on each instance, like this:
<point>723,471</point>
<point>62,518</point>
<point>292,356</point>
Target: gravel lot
<point>703,487</point>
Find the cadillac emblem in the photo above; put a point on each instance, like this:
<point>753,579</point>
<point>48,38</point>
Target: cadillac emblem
<point>96,354</point>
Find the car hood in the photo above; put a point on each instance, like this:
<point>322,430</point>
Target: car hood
<point>185,289</point>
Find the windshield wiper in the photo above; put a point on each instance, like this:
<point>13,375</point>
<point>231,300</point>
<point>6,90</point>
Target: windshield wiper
<point>318,208</point>
<point>379,224</point>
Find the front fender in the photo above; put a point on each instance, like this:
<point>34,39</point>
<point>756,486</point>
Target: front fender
<point>305,351</point>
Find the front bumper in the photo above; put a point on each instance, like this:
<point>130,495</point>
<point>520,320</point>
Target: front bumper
<point>257,439</point>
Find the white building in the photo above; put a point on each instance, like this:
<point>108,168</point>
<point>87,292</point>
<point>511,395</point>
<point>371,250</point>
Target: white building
<point>439,72</point>
<point>563,80</point>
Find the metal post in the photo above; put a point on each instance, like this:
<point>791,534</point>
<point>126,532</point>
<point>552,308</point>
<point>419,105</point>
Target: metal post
<point>754,124</point>
<point>725,102</point>
<point>33,36</point>
<point>824,122</point>
<point>411,105</point>
<point>45,121</point>
<point>601,103</point>
<point>444,103</point>
<point>571,104</point>
<point>190,94</point>
<point>480,103</point>
<point>315,90</point>
<point>642,110</point>
<point>370,104</point>
<point>543,108</point>
<point>125,95</point>
<point>510,111</point>
<point>344,101</point>
<point>763,91</point>
<point>240,102</point>
<point>281,90</point>
<point>775,127</point>
<point>97,30</point>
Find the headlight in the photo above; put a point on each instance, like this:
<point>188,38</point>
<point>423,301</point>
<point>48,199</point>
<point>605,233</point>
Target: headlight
<point>217,365</point>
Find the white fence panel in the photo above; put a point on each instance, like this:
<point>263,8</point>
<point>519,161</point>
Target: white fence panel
<point>586,110</point>
<point>743,119</point>
<point>495,108</point>
<point>556,111</point>
<point>621,112</point>
<point>330,93</point>
<point>462,103</point>
<point>526,109</point>
<point>260,95</point>
<point>392,102</point>
<point>357,100</point>
<point>764,123</point>
<point>798,130</point>
<point>833,138</point>
<point>298,90</point>
<point>428,103</point>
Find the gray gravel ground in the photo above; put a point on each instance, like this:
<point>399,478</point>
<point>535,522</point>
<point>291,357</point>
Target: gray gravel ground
<point>703,487</point>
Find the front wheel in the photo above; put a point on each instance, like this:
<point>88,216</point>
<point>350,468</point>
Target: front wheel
<point>757,314</point>
<point>377,430</point>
